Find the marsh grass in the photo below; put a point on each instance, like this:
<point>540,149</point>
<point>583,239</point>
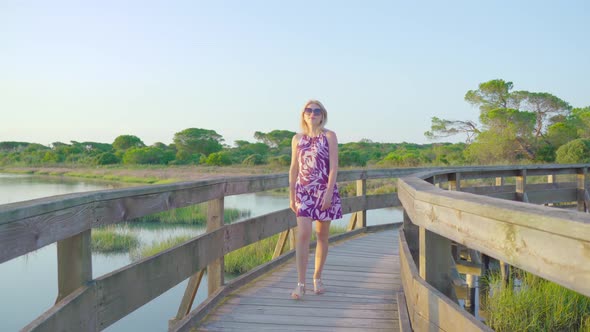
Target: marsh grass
<point>109,240</point>
<point>157,247</point>
<point>192,215</point>
<point>535,305</point>
<point>253,255</point>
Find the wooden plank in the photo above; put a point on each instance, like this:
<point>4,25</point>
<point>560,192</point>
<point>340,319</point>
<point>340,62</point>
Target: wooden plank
<point>560,195</point>
<point>434,262</point>
<point>76,312</point>
<point>189,296</point>
<point>74,264</point>
<point>303,310</point>
<point>404,318</point>
<point>242,326</point>
<point>331,322</point>
<point>310,302</point>
<point>281,242</point>
<point>361,190</point>
<point>466,267</point>
<point>215,269</point>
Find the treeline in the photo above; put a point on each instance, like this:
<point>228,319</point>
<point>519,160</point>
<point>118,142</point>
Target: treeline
<point>196,146</point>
<point>513,127</point>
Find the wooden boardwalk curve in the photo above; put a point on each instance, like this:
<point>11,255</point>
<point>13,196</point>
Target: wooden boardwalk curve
<point>362,278</point>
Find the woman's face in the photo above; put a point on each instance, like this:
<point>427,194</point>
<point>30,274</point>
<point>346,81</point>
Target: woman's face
<point>313,115</point>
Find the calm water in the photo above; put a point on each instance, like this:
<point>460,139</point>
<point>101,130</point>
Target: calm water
<point>28,284</point>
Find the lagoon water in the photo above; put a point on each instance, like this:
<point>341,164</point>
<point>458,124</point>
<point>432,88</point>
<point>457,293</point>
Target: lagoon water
<point>28,284</point>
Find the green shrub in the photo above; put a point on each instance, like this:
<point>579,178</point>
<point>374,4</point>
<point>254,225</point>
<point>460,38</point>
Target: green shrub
<point>574,152</point>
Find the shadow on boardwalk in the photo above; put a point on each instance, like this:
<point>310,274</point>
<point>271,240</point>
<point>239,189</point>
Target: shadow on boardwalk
<point>362,280</point>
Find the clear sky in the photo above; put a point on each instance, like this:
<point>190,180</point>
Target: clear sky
<point>93,70</point>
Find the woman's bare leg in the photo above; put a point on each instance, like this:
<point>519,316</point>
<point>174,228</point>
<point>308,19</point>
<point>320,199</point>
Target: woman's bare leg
<point>322,230</point>
<point>302,247</point>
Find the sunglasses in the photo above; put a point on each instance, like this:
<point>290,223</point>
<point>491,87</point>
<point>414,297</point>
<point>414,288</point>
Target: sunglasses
<point>315,111</point>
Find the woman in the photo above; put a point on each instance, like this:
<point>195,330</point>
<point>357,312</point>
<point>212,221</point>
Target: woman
<point>312,190</point>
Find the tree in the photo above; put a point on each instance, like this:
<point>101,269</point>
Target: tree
<point>445,128</point>
<point>275,138</point>
<point>147,155</point>
<point>492,95</point>
<point>198,141</point>
<point>124,142</point>
<point>542,104</point>
<point>574,152</point>
<point>509,137</point>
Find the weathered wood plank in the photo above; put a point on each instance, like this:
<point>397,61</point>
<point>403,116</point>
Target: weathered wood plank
<point>329,322</point>
<point>74,264</point>
<point>242,326</point>
<point>76,312</point>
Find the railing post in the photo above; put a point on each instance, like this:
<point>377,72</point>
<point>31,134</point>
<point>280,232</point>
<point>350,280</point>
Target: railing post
<point>361,190</point>
<point>499,181</point>
<point>521,186</point>
<point>215,268</point>
<point>435,266</point>
<point>412,233</point>
<point>551,178</point>
<point>581,186</point>
<point>359,219</point>
<point>74,263</point>
<point>455,181</point>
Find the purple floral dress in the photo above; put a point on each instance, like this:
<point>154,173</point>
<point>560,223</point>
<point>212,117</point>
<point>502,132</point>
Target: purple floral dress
<point>312,181</point>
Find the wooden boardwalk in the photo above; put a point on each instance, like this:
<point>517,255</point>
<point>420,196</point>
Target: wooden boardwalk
<point>362,279</point>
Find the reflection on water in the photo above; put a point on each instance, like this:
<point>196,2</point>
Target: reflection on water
<point>33,277</point>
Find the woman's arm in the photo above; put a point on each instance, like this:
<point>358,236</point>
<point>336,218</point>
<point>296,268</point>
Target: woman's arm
<point>333,172</point>
<point>293,172</point>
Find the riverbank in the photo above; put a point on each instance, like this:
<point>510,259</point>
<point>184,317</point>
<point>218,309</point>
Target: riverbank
<point>146,174</point>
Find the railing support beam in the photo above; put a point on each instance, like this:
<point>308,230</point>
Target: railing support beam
<point>581,186</point>
<point>359,219</point>
<point>215,221</point>
<point>435,265</point>
<point>74,263</point>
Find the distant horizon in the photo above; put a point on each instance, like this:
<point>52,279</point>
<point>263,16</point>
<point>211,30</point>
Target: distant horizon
<point>94,71</point>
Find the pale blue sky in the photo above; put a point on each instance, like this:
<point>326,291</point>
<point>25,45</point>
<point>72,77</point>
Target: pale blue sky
<point>92,70</point>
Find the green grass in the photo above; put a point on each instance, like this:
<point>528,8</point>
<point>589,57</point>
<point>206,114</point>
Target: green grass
<point>108,240</point>
<point>191,215</point>
<point>251,256</point>
<point>538,305</point>
<point>157,247</point>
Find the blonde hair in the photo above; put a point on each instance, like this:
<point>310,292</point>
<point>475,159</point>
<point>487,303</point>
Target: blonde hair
<point>304,127</point>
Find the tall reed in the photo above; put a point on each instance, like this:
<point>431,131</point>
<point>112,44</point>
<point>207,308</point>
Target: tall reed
<point>535,305</point>
<point>108,240</point>
<point>192,215</point>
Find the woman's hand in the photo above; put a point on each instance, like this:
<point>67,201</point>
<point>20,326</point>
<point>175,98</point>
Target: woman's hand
<point>292,205</point>
<point>327,203</point>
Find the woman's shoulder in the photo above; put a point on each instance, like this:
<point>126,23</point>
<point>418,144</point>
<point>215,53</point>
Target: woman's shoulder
<point>329,133</point>
<point>297,137</point>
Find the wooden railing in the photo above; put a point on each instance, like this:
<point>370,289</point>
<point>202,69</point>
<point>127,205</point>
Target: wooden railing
<point>547,241</point>
<point>87,304</point>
